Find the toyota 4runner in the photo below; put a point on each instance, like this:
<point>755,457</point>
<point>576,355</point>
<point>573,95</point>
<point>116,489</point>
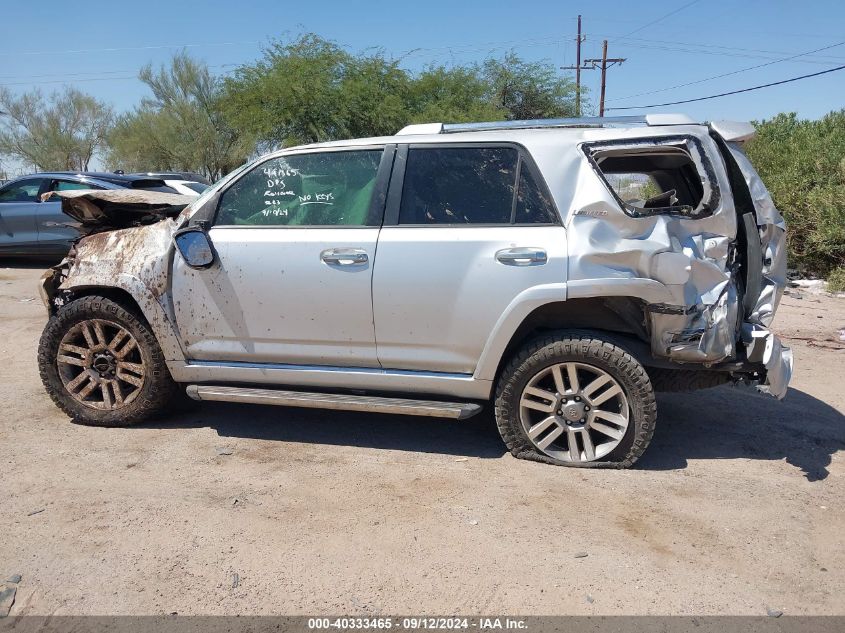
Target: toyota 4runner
<point>563,270</point>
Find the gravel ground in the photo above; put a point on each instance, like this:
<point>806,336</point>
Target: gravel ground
<point>736,508</point>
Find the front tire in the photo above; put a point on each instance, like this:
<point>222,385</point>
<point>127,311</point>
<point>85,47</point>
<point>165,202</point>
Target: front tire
<point>101,364</point>
<point>574,399</point>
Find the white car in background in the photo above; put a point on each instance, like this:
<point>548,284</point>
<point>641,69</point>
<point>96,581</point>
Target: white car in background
<point>187,187</point>
<point>185,183</point>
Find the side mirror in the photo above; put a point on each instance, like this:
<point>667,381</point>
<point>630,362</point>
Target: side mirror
<point>194,246</point>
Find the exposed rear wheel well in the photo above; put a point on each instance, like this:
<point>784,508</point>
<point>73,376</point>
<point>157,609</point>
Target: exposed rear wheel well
<point>623,318</point>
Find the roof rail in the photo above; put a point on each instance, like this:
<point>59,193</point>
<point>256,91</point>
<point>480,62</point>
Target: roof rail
<point>450,128</point>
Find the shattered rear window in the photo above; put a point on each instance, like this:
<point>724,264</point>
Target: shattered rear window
<point>656,176</point>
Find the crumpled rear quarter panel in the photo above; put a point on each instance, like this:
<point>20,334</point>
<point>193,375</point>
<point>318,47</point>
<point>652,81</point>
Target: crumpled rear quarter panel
<point>695,319</point>
<point>693,309</point>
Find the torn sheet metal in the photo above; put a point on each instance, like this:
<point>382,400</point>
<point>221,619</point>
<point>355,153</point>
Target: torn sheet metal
<point>764,347</point>
<point>691,252</point>
<point>772,228</point>
<point>98,210</point>
<point>135,260</point>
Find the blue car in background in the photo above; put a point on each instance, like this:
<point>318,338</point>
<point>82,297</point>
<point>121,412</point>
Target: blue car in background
<point>32,228</point>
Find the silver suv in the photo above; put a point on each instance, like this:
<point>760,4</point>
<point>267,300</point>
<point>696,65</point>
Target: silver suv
<point>562,270</point>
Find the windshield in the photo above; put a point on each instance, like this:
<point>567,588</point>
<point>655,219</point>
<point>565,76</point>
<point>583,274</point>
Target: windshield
<point>210,191</point>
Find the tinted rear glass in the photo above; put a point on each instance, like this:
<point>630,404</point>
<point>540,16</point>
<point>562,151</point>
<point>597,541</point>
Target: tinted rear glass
<point>473,185</point>
<point>459,186</point>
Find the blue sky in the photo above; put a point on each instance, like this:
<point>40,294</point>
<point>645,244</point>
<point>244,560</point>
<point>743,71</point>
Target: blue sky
<point>99,46</point>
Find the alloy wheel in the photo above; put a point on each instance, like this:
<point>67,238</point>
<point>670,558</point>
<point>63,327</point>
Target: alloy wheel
<point>101,365</point>
<point>574,412</point>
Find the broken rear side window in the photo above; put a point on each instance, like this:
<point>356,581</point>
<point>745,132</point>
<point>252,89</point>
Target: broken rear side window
<point>653,178</point>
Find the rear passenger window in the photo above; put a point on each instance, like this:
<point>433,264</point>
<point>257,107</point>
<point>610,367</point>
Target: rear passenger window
<point>470,185</point>
<point>319,189</point>
<point>532,203</point>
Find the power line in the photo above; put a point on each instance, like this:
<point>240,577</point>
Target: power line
<point>65,81</point>
<point>451,50</point>
<point>826,59</point>
<point>88,72</point>
<point>732,92</point>
<point>125,48</point>
<point>732,48</point>
<point>735,72</point>
<point>660,19</point>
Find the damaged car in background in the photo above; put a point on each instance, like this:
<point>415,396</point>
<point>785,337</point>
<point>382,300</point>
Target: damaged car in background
<point>32,223</point>
<point>561,270</point>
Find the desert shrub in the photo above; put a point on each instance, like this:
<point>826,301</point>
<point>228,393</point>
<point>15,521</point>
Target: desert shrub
<point>803,165</point>
<point>836,280</point>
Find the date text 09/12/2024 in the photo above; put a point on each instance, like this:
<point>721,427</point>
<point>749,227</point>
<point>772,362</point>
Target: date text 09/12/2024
<point>416,623</point>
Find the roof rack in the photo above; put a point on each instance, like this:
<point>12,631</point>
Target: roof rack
<point>451,128</point>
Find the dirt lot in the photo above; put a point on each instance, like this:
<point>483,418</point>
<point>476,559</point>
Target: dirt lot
<point>737,507</point>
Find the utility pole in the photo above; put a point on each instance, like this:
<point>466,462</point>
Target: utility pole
<point>605,62</point>
<point>591,64</point>
<point>577,68</point>
<point>603,76</point>
<point>578,71</point>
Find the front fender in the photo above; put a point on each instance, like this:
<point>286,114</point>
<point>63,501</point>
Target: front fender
<point>136,261</point>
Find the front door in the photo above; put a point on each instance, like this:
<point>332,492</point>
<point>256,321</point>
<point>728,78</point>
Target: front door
<point>295,238</point>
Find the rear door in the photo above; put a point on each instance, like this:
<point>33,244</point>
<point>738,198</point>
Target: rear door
<point>468,228</point>
<point>295,238</point>
<point>19,204</point>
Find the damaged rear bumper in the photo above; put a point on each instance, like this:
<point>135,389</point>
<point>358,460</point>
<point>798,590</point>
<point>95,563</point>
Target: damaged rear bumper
<point>707,336</point>
<point>765,348</point>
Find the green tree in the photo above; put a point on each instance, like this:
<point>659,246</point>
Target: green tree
<point>458,94</point>
<point>310,90</point>
<point>529,90</point>
<point>182,127</point>
<point>61,132</point>
<point>803,165</point>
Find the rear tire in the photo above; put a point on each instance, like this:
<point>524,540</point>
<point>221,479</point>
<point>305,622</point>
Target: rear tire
<point>102,366</point>
<point>574,399</point>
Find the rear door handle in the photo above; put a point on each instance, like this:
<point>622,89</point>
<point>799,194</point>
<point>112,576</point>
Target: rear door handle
<point>526,256</point>
<point>344,256</point>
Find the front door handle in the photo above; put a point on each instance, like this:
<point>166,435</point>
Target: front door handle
<point>526,256</point>
<point>344,256</point>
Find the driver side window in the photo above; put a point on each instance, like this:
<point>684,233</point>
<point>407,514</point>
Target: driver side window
<point>314,189</point>
<point>24,191</point>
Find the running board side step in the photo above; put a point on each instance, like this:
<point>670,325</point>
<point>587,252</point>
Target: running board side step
<point>345,402</point>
